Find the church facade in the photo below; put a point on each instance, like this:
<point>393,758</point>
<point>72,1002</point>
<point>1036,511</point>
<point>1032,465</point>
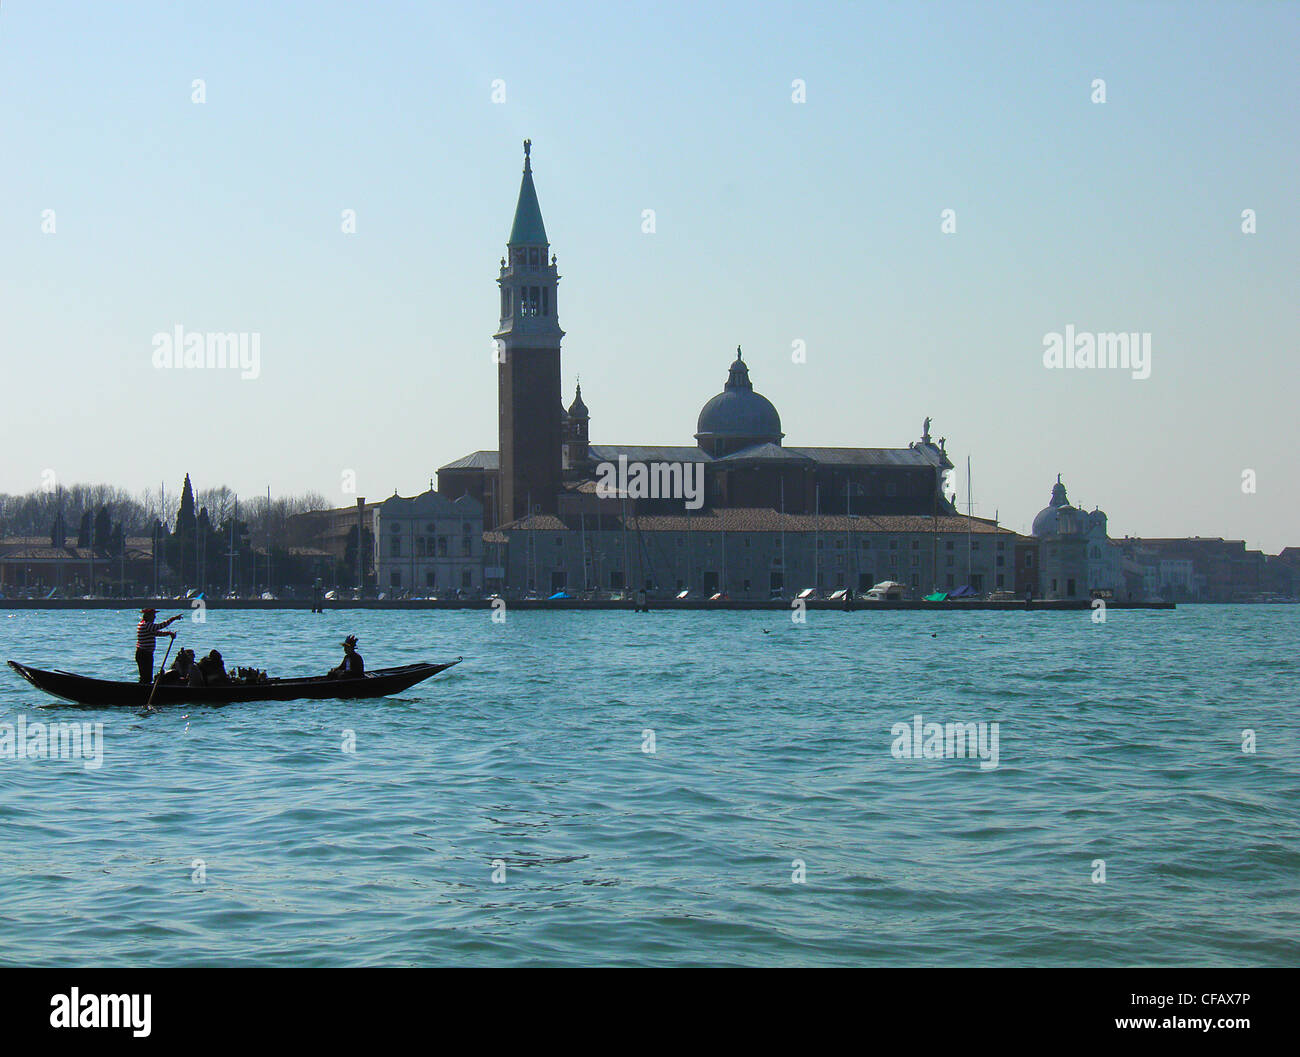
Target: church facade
<point>735,510</point>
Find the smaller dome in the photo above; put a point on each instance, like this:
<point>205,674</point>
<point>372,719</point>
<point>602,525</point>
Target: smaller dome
<point>1058,517</point>
<point>578,409</point>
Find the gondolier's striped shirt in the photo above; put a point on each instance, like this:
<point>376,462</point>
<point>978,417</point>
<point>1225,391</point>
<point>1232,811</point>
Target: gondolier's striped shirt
<point>146,635</point>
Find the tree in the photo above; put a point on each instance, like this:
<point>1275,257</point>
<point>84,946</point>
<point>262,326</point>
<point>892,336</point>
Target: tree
<point>182,553</point>
<point>84,532</point>
<point>103,530</point>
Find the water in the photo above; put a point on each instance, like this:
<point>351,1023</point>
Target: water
<point>1120,741</point>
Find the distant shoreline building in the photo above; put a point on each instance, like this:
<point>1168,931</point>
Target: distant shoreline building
<point>773,518</point>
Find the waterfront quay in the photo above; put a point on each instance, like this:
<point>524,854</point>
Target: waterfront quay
<point>164,605</point>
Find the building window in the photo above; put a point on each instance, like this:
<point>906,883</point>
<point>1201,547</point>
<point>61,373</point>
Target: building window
<point>431,579</point>
<point>395,579</point>
<point>394,548</point>
<point>893,545</point>
<point>532,257</point>
<point>916,545</point>
<point>546,304</point>
<point>467,579</point>
<point>1001,561</point>
<point>1029,559</point>
<point>1001,580</point>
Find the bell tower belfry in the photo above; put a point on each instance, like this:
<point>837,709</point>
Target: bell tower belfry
<point>529,429</point>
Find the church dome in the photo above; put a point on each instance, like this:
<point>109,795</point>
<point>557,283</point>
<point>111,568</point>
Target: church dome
<point>1058,517</point>
<point>738,412</point>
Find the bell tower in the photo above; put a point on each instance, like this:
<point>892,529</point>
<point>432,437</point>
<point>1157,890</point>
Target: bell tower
<point>529,429</point>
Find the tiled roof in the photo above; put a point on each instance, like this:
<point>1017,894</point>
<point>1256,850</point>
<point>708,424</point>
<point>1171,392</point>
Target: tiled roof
<point>45,553</point>
<point>749,519</point>
<point>768,452</point>
<point>430,504</point>
<point>648,453</point>
<point>475,460</point>
<point>917,456</point>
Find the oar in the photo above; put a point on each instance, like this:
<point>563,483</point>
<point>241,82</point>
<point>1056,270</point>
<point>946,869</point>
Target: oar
<point>148,705</point>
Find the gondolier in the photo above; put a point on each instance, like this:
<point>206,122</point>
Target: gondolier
<point>146,637</point>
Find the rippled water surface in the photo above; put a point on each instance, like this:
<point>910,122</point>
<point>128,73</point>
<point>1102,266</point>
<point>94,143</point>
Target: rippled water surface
<point>1119,741</point>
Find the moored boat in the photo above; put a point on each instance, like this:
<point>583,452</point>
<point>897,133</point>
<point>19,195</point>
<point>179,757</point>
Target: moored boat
<point>85,690</point>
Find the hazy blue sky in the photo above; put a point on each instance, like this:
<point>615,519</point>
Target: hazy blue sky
<point>776,222</point>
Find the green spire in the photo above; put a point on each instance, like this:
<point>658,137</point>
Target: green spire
<point>528,229</point>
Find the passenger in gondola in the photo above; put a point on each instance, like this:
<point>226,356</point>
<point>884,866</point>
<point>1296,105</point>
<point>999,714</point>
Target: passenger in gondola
<point>353,667</point>
<point>210,671</point>
<point>179,673</point>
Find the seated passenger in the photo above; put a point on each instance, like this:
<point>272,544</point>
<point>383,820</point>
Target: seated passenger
<point>353,667</point>
<point>179,673</point>
<point>216,673</point>
<point>209,671</point>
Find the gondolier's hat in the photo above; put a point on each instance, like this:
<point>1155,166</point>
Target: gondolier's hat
<point>351,640</point>
<point>148,611</point>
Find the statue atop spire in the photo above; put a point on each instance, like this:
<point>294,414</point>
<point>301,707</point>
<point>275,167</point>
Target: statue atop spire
<point>528,228</point>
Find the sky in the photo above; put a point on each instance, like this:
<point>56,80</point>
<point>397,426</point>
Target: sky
<point>128,208</point>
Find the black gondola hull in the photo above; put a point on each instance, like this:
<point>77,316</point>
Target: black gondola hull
<point>82,690</point>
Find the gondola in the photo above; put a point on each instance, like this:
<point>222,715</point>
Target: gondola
<point>83,690</point>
